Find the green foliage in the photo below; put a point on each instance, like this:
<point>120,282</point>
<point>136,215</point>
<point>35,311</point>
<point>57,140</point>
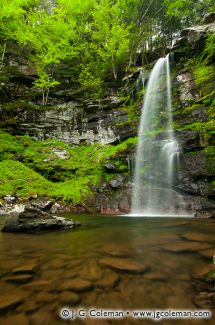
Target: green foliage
<point>210,156</point>
<point>88,80</point>
<point>24,105</point>
<point>199,126</point>
<point>98,38</point>
<point>45,82</point>
<point>92,34</point>
<point>111,36</point>
<point>209,50</point>
<point>189,10</point>
<point>9,146</point>
<point>202,72</point>
<point>19,179</point>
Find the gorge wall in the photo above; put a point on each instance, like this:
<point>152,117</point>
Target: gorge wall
<point>77,121</point>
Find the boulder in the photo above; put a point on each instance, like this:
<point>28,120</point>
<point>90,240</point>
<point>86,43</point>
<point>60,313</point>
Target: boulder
<point>117,181</point>
<point>209,18</point>
<point>9,199</point>
<point>193,37</point>
<point>110,168</point>
<point>35,218</point>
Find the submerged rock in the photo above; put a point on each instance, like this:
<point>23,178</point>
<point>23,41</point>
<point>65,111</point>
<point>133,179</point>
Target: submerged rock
<point>20,278</point>
<point>109,280</point>
<point>15,319</point>
<point>198,237</point>
<point>204,281</point>
<point>9,302</point>
<point>204,300</point>
<point>77,285</point>
<point>126,265</point>
<point>69,297</point>
<point>208,253</point>
<point>35,218</point>
<point>25,269</point>
<point>117,250</point>
<point>182,247</point>
<point>40,285</point>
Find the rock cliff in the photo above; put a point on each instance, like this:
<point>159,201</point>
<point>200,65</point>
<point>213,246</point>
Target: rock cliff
<point>76,120</point>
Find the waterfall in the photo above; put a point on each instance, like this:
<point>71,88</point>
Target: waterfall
<point>158,152</point>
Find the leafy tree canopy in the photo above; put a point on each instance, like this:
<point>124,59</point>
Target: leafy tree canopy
<point>99,38</point>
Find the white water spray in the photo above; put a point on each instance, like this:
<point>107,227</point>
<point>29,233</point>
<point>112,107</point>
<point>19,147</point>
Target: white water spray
<point>158,152</point>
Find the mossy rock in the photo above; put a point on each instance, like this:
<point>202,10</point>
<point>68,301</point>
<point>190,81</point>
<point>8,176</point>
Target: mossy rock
<point>31,166</point>
<point>210,277</point>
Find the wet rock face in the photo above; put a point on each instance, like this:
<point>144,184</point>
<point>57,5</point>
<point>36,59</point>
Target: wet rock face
<point>35,218</point>
<point>69,117</point>
<point>117,201</point>
<point>74,122</point>
<point>195,181</point>
<point>187,86</point>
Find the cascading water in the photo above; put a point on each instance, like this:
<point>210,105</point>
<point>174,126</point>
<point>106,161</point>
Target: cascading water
<point>157,157</point>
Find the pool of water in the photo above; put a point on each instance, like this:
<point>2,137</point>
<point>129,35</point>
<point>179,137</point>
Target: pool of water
<point>110,262</point>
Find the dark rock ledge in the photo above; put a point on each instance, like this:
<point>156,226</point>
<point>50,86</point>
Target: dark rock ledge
<point>36,218</point>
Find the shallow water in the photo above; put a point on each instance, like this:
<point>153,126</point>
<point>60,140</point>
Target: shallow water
<point>165,253</point>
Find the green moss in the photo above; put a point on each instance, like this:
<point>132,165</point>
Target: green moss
<point>203,73</point>
<point>211,186</point>
<point>210,157</point>
<point>188,109</point>
<point>108,177</point>
<point>133,112</point>
<point>199,126</point>
<point>15,178</point>
<point>24,105</point>
<point>210,276</point>
<point>9,146</point>
<point>209,51</point>
<point>39,170</point>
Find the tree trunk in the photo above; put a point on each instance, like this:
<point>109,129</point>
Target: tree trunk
<point>47,96</point>
<point>43,92</point>
<point>3,54</point>
<point>114,68</point>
